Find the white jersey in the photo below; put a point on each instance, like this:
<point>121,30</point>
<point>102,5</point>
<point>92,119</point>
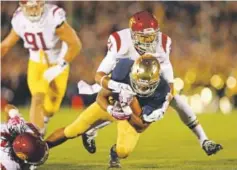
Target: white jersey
<point>41,35</point>
<point>6,158</point>
<point>120,46</point>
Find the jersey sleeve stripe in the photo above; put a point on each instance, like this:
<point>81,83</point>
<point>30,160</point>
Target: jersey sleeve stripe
<point>164,41</point>
<point>57,8</point>
<point>117,39</point>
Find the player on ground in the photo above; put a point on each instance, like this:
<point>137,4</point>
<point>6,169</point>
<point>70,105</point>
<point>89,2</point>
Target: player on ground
<point>144,36</point>
<point>21,144</point>
<point>134,113</point>
<point>149,105</point>
<point>52,45</point>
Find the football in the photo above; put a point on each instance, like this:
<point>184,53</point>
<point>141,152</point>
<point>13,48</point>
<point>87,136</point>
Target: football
<point>29,147</point>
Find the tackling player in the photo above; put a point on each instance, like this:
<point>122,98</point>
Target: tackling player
<point>52,44</point>
<point>144,36</point>
<point>21,144</point>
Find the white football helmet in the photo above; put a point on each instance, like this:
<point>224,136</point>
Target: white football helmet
<point>32,9</point>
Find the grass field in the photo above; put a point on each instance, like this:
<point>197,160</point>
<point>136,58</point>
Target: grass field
<point>166,145</point>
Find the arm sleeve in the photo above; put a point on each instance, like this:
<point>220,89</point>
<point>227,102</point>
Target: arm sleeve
<point>109,62</point>
<point>166,66</point>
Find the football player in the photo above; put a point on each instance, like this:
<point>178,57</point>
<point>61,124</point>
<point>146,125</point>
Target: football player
<point>21,144</point>
<point>134,114</point>
<point>144,36</point>
<point>151,101</point>
<point>52,44</point>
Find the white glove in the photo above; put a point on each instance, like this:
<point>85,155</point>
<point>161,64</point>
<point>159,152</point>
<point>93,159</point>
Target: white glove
<point>119,87</point>
<point>54,71</point>
<point>117,112</point>
<point>154,116</point>
<point>125,97</point>
<point>159,113</point>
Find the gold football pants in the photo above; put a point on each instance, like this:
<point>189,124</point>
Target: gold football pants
<point>127,136</point>
<point>37,84</point>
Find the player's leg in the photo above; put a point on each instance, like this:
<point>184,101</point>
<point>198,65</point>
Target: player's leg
<point>54,96</point>
<point>189,118</point>
<point>38,87</point>
<point>85,120</point>
<point>126,142</point>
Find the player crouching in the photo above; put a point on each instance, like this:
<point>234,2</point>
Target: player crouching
<point>22,147</point>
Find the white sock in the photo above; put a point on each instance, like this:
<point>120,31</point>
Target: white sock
<point>199,132</point>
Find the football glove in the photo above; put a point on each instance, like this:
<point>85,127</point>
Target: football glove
<point>117,112</point>
<point>154,116</point>
<point>117,87</point>
<point>54,71</point>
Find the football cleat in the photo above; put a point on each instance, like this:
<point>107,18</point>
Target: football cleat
<point>211,147</point>
<point>89,142</point>
<point>114,159</point>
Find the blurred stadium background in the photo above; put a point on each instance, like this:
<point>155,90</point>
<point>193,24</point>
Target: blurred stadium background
<point>204,53</point>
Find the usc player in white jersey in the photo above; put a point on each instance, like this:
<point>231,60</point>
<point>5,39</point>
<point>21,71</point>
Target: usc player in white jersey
<point>52,45</point>
<point>19,139</point>
<point>144,36</point>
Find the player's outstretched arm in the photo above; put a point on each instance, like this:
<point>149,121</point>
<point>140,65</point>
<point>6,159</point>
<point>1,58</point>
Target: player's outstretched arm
<point>67,34</point>
<point>9,42</point>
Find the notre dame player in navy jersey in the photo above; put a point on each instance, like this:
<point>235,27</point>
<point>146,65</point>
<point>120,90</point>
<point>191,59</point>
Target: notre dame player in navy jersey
<point>152,96</point>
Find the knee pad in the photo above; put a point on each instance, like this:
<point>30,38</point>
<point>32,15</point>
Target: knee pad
<point>73,130</point>
<point>70,133</point>
<point>122,152</point>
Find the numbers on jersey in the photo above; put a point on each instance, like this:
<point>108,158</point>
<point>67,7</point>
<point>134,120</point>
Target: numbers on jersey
<point>31,39</point>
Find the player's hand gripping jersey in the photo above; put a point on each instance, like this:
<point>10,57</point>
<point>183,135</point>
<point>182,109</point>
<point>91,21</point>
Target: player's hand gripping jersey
<point>40,35</point>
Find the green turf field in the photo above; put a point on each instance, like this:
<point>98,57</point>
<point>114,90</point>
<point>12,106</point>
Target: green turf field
<point>166,145</point>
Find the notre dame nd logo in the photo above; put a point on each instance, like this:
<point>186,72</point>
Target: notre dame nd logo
<point>131,22</point>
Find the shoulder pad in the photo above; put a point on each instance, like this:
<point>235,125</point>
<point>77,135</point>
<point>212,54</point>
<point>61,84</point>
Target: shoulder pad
<point>122,40</point>
<point>59,15</point>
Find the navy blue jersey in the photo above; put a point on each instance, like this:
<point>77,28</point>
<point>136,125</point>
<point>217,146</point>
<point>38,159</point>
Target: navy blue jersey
<point>121,74</point>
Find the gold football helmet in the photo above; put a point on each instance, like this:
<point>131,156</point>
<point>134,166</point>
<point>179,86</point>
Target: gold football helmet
<point>145,75</point>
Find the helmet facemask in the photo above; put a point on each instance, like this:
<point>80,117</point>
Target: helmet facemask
<point>143,88</point>
<point>145,41</point>
<point>32,9</point>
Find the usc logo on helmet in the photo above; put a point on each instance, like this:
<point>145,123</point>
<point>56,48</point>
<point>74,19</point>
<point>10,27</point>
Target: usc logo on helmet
<point>22,156</point>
